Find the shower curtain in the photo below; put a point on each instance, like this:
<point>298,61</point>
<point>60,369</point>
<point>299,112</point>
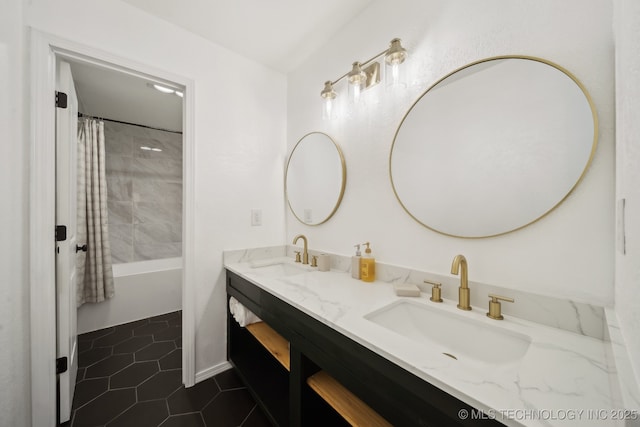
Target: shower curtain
<point>94,269</point>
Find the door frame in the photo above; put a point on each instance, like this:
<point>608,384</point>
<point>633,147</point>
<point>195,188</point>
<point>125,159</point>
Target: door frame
<point>45,50</point>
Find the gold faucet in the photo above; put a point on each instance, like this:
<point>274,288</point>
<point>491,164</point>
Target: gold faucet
<point>305,254</point>
<point>495,308</point>
<point>464,294</point>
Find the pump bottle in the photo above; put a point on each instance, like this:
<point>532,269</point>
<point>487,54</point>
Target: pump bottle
<point>367,265</point>
<point>355,263</point>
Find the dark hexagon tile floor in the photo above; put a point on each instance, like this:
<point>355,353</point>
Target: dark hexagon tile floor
<point>131,375</point>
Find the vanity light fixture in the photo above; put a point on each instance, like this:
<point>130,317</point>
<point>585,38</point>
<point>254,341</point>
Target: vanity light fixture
<point>363,78</point>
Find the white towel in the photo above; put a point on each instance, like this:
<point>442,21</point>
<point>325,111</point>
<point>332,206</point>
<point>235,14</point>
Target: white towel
<point>242,314</point>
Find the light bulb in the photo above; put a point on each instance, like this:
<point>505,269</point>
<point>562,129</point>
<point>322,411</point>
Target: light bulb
<point>395,75</point>
<point>327,109</point>
<point>354,92</point>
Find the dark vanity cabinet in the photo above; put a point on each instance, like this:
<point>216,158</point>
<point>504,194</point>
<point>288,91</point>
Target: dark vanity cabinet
<point>304,373</point>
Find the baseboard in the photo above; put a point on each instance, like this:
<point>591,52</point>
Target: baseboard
<point>212,371</point>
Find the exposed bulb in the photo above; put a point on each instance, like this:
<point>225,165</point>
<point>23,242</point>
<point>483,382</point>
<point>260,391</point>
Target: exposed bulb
<point>327,109</point>
<point>395,75</point>
<point>355,91</point>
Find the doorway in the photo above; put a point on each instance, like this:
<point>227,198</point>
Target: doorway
<point>143,151</point>
<point>46,53</point>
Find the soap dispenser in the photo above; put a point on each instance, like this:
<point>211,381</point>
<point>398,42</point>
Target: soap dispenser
<point>367,265</point>
<point>355,263</point>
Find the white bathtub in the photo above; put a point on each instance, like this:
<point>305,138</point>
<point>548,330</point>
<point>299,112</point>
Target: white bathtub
<point>142,289</point>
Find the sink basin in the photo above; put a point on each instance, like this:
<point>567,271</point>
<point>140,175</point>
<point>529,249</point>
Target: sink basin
<point>281,269</point>
<point>463,338</point>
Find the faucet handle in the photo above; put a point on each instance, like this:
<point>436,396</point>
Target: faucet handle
<point>298,259</point>
<point>495,308</point>
<point>436,292</point>
<point>314,260</point>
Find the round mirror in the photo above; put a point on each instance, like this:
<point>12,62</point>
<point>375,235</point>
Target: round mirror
<point>493,146</point>
<point>315,178</point>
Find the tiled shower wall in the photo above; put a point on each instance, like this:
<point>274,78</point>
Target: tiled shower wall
<point>144,192</point>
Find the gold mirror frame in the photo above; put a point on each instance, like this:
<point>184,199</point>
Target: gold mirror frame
<point>343,180</point>
<point>548,211</point>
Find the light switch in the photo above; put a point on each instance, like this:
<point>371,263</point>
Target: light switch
<point>256,217</point>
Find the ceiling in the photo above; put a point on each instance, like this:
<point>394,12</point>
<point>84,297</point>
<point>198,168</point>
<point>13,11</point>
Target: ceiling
<point>279,34</point>
<point>119,96</point>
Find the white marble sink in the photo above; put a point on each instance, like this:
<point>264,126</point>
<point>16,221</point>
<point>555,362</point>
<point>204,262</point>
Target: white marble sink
<point>279,269</point>
<point>468,339</point>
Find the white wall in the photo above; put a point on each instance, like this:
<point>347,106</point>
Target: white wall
<point>239,132</point>
<point>14,295</point>
<point>567,254</point>
<point>627,295</point>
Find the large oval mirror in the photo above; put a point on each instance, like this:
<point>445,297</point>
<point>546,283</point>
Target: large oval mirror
<point>315,178</point>
<point>493,146</point>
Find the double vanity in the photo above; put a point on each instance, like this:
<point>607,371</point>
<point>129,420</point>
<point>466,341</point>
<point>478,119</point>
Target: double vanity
<point>333,350</point>
<point>355,349</point>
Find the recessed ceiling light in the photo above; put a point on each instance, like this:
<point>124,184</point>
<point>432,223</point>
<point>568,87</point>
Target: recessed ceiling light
<point>163,89</point>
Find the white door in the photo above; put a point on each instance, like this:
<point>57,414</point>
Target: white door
<point>66,205</point>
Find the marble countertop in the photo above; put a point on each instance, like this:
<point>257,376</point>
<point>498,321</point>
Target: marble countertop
<point>564,378</point>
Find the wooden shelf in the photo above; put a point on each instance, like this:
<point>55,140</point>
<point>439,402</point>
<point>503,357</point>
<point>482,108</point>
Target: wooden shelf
<point>272,341</point>
<point>352,409</point>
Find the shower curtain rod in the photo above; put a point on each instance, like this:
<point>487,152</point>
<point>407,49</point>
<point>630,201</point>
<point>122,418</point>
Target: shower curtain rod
<point>80,115</point>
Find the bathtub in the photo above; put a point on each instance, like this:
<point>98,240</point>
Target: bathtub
<point>142,289</point>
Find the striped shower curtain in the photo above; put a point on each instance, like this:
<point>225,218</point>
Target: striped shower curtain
<point>95,273</point>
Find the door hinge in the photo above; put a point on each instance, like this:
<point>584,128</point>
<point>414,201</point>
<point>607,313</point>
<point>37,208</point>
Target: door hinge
<point>61,100</point>
<point>61,365</point>
<point>61,233</point>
